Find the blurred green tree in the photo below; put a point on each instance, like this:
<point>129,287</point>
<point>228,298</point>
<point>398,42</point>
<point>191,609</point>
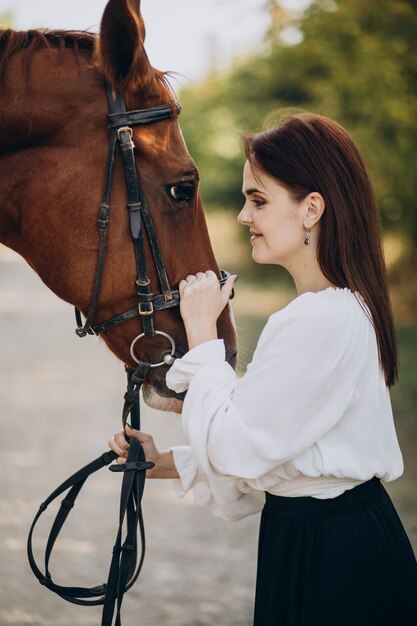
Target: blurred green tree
<point>353,61</point>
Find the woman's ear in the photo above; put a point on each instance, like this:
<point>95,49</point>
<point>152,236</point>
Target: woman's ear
<point>315,206</point>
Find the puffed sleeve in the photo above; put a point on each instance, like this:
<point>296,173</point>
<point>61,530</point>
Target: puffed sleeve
<point>302,378</point>
<point>223,496</point>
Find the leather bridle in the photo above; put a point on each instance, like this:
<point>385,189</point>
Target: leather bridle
<point>124,569</point>
<point>120,124</point>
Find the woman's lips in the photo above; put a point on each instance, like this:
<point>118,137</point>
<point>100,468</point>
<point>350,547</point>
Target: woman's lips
<point>254,235</point>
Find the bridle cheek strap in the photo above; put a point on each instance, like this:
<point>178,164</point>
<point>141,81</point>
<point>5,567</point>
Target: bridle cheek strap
<point>120,123</point>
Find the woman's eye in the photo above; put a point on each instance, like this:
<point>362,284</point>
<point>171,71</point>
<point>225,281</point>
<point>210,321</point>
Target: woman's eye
<point>257,202</point>
<point>181,193</point>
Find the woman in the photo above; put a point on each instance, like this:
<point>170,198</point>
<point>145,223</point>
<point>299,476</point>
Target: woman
<point>310,422</point>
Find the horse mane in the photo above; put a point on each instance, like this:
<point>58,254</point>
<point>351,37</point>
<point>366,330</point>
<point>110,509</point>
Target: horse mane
<point>12,41</point>
<point>29,41</point>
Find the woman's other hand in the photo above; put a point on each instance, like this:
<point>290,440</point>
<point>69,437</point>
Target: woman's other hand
<point>202,301</point>
<point>163,461</point>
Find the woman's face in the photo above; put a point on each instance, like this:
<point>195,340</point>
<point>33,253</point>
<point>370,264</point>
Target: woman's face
<point>276,222</point>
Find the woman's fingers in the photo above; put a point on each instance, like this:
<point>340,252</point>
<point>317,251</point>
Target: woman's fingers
<point>138,434</point>
<point>199,277</point>
<point>211,275</point>
<point>205,282</point>
<point>199,283</point>
<point>120,440</point>
<point>226,290</point>
<point>119,444</point>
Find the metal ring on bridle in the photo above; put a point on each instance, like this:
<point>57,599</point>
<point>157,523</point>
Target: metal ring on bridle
<point>169,356</point>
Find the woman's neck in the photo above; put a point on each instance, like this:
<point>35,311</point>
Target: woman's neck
<point>313,286</point>
<point>309,277</point>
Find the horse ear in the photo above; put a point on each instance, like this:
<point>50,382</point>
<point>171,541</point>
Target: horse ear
<point>120,51</point>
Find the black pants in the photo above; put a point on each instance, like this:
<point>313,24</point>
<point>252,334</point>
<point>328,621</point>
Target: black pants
<point>345,561</point>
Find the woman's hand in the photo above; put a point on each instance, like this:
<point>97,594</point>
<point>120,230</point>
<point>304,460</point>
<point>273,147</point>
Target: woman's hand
<point>202,301</point>
<point>164,466</point>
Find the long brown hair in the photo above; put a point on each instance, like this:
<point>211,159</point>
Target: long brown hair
<point>306,152</point>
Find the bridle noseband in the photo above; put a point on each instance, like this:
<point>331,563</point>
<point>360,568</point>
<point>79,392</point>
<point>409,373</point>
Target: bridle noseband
<point>124,569</point>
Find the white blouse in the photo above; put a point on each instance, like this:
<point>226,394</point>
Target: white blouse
<point>310,417</point>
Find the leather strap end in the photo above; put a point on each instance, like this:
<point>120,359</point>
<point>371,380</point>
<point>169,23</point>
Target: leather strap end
<point>135,466</point>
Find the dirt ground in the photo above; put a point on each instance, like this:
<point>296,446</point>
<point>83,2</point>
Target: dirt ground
<point>60,402</point>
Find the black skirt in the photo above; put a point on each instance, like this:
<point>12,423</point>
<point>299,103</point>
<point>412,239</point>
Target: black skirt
<point>344,561</point>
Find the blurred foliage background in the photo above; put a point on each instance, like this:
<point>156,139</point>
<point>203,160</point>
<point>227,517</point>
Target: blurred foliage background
<point>353,61</point>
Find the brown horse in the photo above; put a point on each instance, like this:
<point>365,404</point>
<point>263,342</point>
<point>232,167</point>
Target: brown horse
<point>53,148</point>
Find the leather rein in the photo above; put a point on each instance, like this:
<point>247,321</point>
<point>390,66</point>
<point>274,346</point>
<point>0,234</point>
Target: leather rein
<point>124,567</point>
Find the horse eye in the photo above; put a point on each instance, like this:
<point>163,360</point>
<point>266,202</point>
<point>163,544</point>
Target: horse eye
<point>181,193</point>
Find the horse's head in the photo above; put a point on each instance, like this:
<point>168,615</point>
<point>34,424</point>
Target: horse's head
<point>56,149</point>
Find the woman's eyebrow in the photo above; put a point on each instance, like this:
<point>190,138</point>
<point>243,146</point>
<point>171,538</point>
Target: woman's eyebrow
<point>252,190</point>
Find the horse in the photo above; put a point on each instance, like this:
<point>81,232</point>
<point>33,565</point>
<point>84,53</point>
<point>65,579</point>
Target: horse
<point>53,146</point>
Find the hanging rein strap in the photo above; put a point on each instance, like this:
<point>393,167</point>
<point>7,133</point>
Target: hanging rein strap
<point>77,595</point>
<point>124,567</point>
<point>123,570</point>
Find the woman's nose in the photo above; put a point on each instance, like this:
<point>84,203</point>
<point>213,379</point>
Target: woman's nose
<point>244,216</point>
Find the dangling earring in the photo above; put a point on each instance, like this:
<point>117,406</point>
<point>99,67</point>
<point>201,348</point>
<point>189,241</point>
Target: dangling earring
<point>307,237</point>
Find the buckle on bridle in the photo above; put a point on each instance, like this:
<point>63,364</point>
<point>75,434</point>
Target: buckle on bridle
<point>124,129</point>
<point>147,311</point>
